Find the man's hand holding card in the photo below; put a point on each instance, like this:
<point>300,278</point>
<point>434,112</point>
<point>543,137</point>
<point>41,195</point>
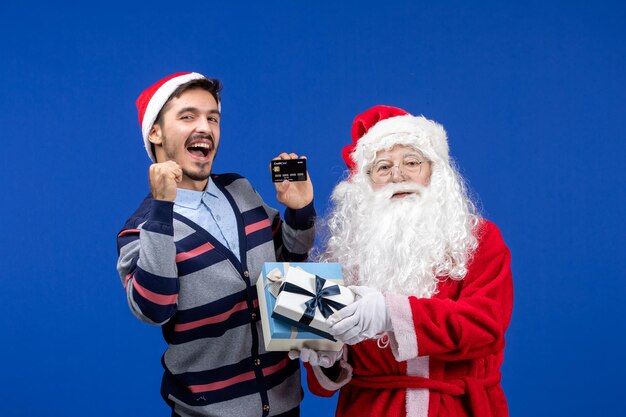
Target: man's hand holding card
<point>289,169</point>
<point>292,181</point>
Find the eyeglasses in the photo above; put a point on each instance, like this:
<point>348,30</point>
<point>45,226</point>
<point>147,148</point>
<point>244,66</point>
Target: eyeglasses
<point>381,172</point>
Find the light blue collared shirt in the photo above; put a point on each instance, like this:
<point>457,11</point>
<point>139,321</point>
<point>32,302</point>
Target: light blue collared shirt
<point>210,210</point>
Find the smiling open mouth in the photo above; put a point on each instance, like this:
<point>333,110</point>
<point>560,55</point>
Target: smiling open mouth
<point>200,149</point>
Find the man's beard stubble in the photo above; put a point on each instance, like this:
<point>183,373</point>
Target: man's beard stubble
<point>199,176</point>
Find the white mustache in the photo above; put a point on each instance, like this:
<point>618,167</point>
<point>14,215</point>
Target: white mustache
<point>406,187</point>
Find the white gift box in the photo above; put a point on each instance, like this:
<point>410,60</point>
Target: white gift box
<point>307,299</point>
<point>279,334</point>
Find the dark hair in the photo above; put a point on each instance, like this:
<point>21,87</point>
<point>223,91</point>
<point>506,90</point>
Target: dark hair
<point>212,85</point>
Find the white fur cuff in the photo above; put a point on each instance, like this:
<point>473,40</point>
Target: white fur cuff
<point>402,339</point>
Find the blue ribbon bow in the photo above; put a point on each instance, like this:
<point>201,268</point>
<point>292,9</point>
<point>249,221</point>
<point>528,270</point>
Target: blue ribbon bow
<point>317,301</point>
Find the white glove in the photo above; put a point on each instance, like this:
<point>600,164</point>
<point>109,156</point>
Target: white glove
<point>323,358</point>
<point>364,319</point>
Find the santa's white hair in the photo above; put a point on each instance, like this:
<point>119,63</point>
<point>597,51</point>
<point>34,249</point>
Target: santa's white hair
<point>401,245</point>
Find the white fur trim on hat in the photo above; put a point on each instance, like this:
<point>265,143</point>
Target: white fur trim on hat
<point>425,135</point>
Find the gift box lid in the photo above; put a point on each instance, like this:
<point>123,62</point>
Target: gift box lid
<point>280,328</point>
<point>307,299</point>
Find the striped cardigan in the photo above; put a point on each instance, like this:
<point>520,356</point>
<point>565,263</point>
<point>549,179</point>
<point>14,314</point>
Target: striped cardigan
<point>180,277</point>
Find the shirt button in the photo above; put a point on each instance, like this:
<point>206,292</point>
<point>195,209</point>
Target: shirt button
<point>257,362</point>
<point>246,274</point>
<point>253,316</point>
<point>266,408</point>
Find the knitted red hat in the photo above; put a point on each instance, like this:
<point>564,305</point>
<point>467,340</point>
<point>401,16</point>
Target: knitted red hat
<point>151,101</point>
<point>382,127</point>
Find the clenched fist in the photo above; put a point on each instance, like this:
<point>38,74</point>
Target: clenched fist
<point>164,177</point>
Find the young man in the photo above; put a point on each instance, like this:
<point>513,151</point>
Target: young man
<point>189,258</point>
<point>426,334</point>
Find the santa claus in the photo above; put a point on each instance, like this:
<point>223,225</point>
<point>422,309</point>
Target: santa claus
<point>426,334</point>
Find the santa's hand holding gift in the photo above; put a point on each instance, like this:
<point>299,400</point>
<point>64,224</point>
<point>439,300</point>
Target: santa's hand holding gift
<point>425,336</point>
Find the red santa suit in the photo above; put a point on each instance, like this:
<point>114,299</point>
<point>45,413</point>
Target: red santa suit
<point>444,353</point>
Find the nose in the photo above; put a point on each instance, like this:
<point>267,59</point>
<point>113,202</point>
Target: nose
<point>397,175</point>
<point>203,125</point>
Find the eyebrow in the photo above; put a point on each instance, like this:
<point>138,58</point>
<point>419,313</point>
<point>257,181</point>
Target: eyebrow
<point>415,154</point>
<point>196,110</point>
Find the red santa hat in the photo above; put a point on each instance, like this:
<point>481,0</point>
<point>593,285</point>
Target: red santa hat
<point>151,101</point>
<point>382,127</point>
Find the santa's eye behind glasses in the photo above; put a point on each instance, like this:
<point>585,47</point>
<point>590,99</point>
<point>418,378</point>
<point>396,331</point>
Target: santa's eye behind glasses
<point>381,171</point>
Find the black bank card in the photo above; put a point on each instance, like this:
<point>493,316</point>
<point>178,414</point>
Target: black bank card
<point>289,169</point>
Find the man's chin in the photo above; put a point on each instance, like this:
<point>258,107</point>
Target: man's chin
<point>198,175</point>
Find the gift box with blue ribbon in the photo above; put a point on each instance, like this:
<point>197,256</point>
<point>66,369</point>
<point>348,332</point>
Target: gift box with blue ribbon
<point>295,299</point>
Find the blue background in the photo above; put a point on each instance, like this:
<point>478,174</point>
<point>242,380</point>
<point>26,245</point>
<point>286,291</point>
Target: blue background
<point>532,95</point>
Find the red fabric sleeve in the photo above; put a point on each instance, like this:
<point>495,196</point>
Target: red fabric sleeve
<point>473,324</point>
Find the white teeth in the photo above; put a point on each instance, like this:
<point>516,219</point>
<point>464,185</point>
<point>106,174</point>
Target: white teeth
<point>200,145</point>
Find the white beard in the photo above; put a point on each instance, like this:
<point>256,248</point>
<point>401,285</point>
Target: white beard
<point>400,245</point>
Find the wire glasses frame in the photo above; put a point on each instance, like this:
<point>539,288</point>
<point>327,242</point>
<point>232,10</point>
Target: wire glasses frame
<point>380,173</point>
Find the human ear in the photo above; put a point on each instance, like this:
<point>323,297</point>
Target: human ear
<point>155,135</point>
